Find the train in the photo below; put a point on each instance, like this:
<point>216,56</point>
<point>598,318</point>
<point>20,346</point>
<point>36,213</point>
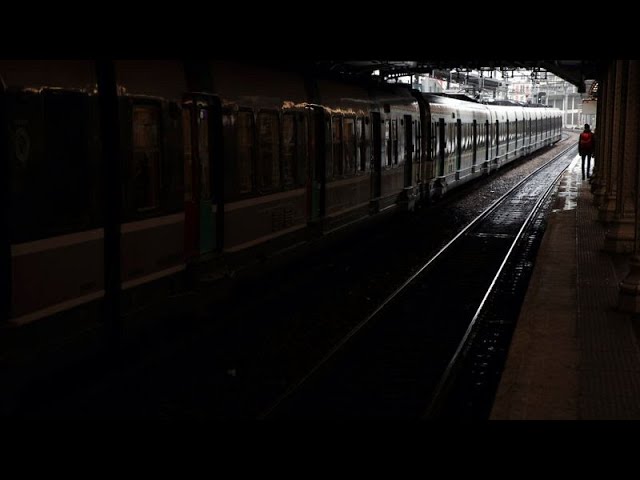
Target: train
<point>222,162</point>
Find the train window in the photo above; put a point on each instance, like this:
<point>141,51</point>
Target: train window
<point>24,124</point>
<point>146,157</point>
<point>203,151</point>
<point>413,146</point>
<point>382,143</point>
<point>64,175</point>
<point>471,135</point>
<point>303,149</point>
<point>401,135</point>
<point>474,133</point>
<point>416,149</point>
<point>394,140</point>
<point>360,142</point>
<point>244,148</point>
<point>268,151</point>
<point>188,160</point>
<point>387,140</point>
<point>451,146</point>
<point>434,140</point>
<point>466,136</point>
<point>367,157</point>
<point>288,149</point>
<point>328,140</point>
<point>418,152</point>
<point>487,139</point>
<point>364,152</point>
<point>336,137</point>
<point>447,138</point>
<point>349,145</point>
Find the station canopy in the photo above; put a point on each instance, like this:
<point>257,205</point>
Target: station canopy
<point>573,71</point>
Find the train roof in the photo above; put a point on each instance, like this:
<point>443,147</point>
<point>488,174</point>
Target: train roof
<point>448,97</point>
<point>506,103</point>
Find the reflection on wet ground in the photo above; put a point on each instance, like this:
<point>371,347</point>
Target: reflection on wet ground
<point>568,188</point>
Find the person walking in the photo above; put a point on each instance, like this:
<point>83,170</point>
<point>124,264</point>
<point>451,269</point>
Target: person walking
<point>585,148</point>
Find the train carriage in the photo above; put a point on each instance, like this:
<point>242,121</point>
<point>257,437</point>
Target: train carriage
<point>222,163</point>
<point>471,141</point>
<point>343,149</point>
<point>57,239</point>
<point>54,228</point>
<point>265,135</point>
<point>397,120</point>
<point>460,143</point>
<point>152,155</point>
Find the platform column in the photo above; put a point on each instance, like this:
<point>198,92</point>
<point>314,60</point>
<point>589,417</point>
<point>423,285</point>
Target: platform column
<point>621,233</point>
<point>598,131</point>
<point>613,153</point>
<point>112,206</point>
<point>5,241</point>
<point>599,185</point>
<point>629,293</point>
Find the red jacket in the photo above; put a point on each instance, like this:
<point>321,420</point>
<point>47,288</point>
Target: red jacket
<point>585,143</point>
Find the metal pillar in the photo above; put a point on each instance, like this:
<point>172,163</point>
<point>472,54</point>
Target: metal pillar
<point>5,241</point>
<point>599,182</point>
<point>112,199</point>
<point>614,139</point>
<point>629,294</point>
<point>620,236</point>
<point>595,175</point>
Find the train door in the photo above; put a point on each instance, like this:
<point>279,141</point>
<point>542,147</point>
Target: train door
<point>408,150</point>
<point>376,171</point>
<point>202,217</point>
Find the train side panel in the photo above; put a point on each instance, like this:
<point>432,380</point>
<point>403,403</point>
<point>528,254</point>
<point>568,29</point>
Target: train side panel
<point>240,162</point>
<point>55,221</point>
<point>347,183</point>
<point>153,224</point>
<point>399,112</point>
<point>266,130</point>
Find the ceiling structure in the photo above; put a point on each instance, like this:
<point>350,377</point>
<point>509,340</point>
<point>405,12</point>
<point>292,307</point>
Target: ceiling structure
<point>573,71</point>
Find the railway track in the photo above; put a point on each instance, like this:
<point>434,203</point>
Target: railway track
<point>412,354</point>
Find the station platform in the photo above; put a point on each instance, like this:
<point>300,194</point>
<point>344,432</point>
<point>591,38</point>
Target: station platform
<point>573,355</point>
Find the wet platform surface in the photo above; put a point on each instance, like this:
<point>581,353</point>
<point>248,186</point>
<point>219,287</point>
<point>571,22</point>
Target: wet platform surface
<point>573,356</point>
